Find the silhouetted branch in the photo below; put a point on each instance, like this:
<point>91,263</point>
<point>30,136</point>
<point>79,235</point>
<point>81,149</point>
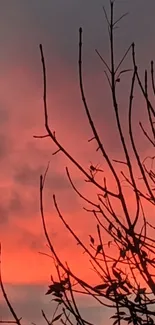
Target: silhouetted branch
<point>120,275</point>
<point>17,320</point>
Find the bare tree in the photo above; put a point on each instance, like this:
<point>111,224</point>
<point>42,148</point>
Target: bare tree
<point>125,279</point>
<point>126,282</point>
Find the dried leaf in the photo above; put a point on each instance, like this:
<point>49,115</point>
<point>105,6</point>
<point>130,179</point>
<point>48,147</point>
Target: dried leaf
<point>141,290</point>
<point>114,316</point>
<point>122,313</point>
<point>64,282</point>
<point>144,253</point>
<point>120,297</point>
<point>122,253</point>
<point>129,284</point>
<point>109,243</point>
<point>111,289</point>
<point>49,291</point>
<point>98,250</point>
<point>128,318</point>
<point>116,321</point>
<point>58,294</point>
<point>117,275</point>
<point>119,234</point>
<point>110,226</point>
<point>56,318</point>
<point>92,240</point>
<point>101,286</point>
<point>115,263</point>
<point>124,288</point>
<point>57,300</point>
<point>138,298</point>
<point>57,287</point>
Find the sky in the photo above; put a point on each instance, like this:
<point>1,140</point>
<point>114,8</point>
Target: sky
<point>54,24</point>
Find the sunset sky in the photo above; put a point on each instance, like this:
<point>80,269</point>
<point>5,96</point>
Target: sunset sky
<point>24,24</point>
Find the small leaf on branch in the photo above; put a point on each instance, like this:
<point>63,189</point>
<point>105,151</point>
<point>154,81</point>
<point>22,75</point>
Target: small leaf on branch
<point>116,321</point>
<point>105,195</point>
<point>64,282</point>
<point>144,253</point>
<point>122,286</point>
<point>57,300</point>
<point>58,294</point>
<point>56,318</point>
<point>109,243</point>
<point>101,286</point>
<point>92,240</point>
<point>111,289</point>
<point>129,284</point>
<point>56,288</point>
<point>119,234</point>
<point>98,250</point>
<point>114,316</point>
<point>118,80</point>
<point>141,290</point>
<point>128,318</point>
<point>122,253</point>
<point>117,275</point>
<point>122,313</point>
<point>138,298</point>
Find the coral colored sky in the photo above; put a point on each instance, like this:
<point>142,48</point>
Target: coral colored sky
<point>54,23</point>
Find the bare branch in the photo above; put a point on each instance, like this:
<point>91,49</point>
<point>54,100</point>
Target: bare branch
<point>17,320</point>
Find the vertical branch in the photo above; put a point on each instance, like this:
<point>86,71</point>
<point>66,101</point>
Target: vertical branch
<point>53,136</point>
<point>121,197</point>
<point>148,108</point>
<point>133,143</point>
<point>152,76</point>
<point>17,320</point>
<point>113,87</point>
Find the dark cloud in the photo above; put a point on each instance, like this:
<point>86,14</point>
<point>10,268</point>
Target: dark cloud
<point>4,114</point>
<point>29,300</point>
<point>29,176</point>
<point>6,146</point>
<point>10,203</point>
<point>4,214</point>
<point>32,241</point>
<point>14,203</point>
<point>56,23</point>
